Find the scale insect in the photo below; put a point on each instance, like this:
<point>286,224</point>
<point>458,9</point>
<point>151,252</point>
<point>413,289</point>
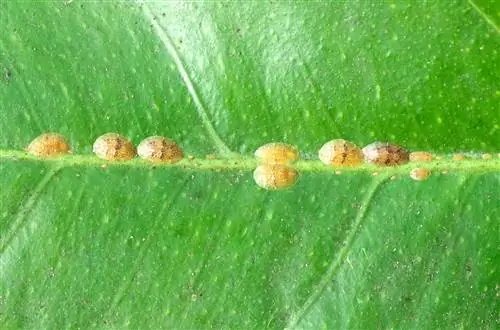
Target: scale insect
<point>420,173</point>
<point>160,149</point>
<point>49,145</point>
<point>340,152</point>
<point>276,153</point>
<point>275,176</point>
<point>113,146</point>
<point>385,154</point>
<point>420,156</point>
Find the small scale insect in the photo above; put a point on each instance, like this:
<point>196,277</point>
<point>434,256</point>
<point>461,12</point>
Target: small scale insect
<point>458,157</point>
<point>340,153</point>
<point>49,145</point>
<point>276,153</point>
<point>385,154</point>
<point>420,174</point>
<point>275,176</point>
<point>7,74</point>
<point>113,146</point>
<point>420,156</point>
<point>160,149</point>
<point>486,156</point>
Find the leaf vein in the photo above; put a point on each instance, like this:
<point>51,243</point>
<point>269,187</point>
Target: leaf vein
<point>25,208</point>
<point>223,149</point>
<point>484,16</point>
<point>341,256</point>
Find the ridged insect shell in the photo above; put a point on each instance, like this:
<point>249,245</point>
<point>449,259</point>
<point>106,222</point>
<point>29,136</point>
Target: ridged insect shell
<point>49,145</point>
<point>276,153</point>
<point>420,174</point>
<point>420,156</point>
<point>160,149</point>
<point>113,146</point>
<point>275,176</point>
<point>385,154</point>
<point>340,152</point>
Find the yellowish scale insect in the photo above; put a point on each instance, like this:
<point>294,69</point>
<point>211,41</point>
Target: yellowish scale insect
<point>275,176</point>
<point>385,154</point>
<point>49,145</point>
<point>420,173</point>
<point>160,149</point>
<point>113,146</point>
<point>486,156</point>
<point>420,156</point>
<point>458,157</point>
<point>277,153</point>
<point>340,153</point>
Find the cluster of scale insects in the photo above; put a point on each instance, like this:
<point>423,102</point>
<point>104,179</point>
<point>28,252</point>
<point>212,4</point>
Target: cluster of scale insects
<point>274,170</point>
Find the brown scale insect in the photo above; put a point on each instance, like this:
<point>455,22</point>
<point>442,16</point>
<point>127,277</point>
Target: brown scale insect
<point>420,156</point>
<point>113,146</point>
<point>275,176</point>
<point>458,157</point>
<point>160,149</point>
<point>49,145</point>
<point>385,154</point>
<point>276,153</point>
<point>340,152</point>
<point>420,174</point>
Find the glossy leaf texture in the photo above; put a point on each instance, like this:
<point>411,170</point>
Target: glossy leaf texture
<point>140,246</point>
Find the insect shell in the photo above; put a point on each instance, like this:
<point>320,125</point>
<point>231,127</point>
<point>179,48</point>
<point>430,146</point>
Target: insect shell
<point>420,156</point>
<point>340,153</point>
<point>276,153</point>
<point>113,146</point>
<point>49,145</point>
<point>420,174</point>
<point>275,176</point>
<point>486,156</point>
<point>385,154</point>
<point>160,149</point>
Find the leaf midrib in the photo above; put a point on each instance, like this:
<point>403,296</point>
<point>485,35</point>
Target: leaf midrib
<point>443,164</point>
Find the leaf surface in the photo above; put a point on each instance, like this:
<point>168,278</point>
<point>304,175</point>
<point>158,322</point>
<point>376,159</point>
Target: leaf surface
<point>88,244</point>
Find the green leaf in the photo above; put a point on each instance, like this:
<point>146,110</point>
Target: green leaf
<point>86,243</point>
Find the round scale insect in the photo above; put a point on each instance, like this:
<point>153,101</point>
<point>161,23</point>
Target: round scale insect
<point>49,145</point>
<point>420,156</point>
<point>458,157</point>
<point>113,146</point>
<point>486,156</point>
<point>275,176</point>
<point>276,153</point>
<point>160,149</point>
<point>340,153</point>
<point>385,154</point>
<point>420,173</point>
